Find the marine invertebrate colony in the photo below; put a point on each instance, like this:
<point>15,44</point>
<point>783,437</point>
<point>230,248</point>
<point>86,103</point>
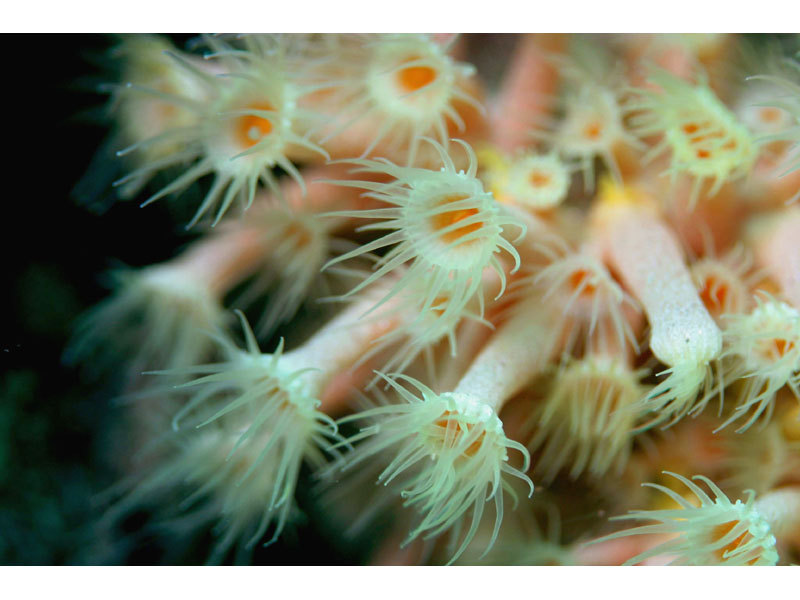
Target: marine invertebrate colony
<point>533,310</point>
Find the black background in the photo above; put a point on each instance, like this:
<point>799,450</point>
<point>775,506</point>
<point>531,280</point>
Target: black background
<point>58,427</point>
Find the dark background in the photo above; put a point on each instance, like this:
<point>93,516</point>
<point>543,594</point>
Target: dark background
<point>59,428</point>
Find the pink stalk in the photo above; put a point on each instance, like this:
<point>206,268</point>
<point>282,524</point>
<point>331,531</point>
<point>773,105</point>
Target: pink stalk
<point>521,349</point>
<point>777,249</point>
<point>683,334</point>
<point>223,260</point>
<point>781,509</point>
<point>341,342</point>
<point>649,258</point>
<point>527,91</point>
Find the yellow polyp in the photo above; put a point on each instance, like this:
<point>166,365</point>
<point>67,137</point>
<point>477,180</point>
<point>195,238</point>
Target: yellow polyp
<point>444,220</point>
<point>250,129</point>
<point>613,197</point>
<point>494,170</point>
<point>706,141</point>
<point>491,159</point>
<point>612,193</point>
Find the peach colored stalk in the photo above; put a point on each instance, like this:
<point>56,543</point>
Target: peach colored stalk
<point>339,344</point>
<point>673,57</point>
<point>781,509</point>
<point>649,258</point>
<point>777,248</point>
<point>520,350</point>
<point>225,259</point>
<point>527,92</point>
<point>321,195</point>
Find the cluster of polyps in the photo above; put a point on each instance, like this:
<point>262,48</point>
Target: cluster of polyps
<point>528,330</point>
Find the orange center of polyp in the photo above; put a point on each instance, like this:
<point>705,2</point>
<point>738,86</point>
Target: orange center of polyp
<point>449,432</point>
<point>775,349</point>
<point>592,131</point>
<point>165,110</point>
<point>714,294</point>
<point>300,235</point>
<point>690,128</point>
<point>581,279</point>
<point>443,220</point>
<point>770,115</point>
<point>411,79</point>
<point>539,179</point>
<point>782,347</point>
<point>721,531</point>
<point>440,305</point>
<point>251,128</point>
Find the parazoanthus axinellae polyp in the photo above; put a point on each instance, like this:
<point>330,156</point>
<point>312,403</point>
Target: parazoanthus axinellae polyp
<point>145,118</point>
<point>451,449</point>
<point>763,105</point>
<point>443,224</point>
<point>761,458</point>
<point>764,349</point>
<point>178,302</point>
<point>784,97</point>
<point>390,92</point>
<point>586,422</point>
<point>247,123</point>
<point>591,128</point>
<point>450,457</point>
<point>204,484</point>
<point>683,335</point>
<point>301,244</point>
<point>535,181</point>
<point>592,125</point>
<point>537,308</point>
<point>268,408</point>
<point>724,283</point>
<point>173,305</point>
<point>718,531</point>
<point>703,137</point>
<point>592,303</point>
